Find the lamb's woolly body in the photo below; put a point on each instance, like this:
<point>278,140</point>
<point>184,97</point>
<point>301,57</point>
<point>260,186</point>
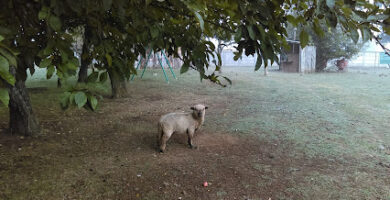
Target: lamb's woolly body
<point>180,123</point>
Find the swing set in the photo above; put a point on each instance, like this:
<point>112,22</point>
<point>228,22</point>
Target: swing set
<point>160,61</point>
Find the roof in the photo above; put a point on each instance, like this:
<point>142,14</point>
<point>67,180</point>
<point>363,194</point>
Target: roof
<point>293,41</point>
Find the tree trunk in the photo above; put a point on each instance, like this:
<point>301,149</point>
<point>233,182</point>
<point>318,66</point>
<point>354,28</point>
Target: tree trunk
<point>59,85</point>
<point>22,119</point>
<point>321,61</point>
<point>85,58</point>
<point>321,64</point>
<point>118,85</point>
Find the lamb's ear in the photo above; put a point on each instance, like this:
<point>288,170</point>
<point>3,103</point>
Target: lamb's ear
<point>192,108</point>
<point>206,107</point>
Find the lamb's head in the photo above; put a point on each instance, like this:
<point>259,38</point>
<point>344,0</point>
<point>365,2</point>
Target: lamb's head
<point>199,110</point>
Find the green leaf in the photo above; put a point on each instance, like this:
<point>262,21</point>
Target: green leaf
<point>261,31</point>
<point>55,22</point>
<point>292,20</point>
<point>107,4</point>
<point>71,66</point>
<point>237,55</point>
<point>9,56</point>
<point>4,64</point>
<point>354,35</point>
<point>1,38</point>
<point>259,62</point>
<point>317,28</point>
<point>184,68</point>
<point>238,35</point>
<point>50,71</point>
<point>377,17</point>
<point>366,34</point>
<point>331,19</point>
<point>65,100</point>
<point>92,101</point>
<point>154,32</point>
<point>80,99</point>
<point>330,3</point>
<point>219,59</point>
<point>93,77</point>
<point>109,59</point>
<point>64,56</point>
<point>103,77</point>
<point>373,28</point>
<point>304,38</point>
<point>4,97</point>
<point>200,19</point>
<point>251,32</point>
<point>227,79</point>
<point>386,29</point>
<point>7,77</point>
<point>4,71</point>
<point>45,63</point>
<point>42,15</point>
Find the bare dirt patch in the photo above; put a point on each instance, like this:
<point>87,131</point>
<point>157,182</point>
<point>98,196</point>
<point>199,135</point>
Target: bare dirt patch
<point>248,149</point>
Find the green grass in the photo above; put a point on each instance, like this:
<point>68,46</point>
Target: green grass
<point>324,114</point>
<point>339,118</point>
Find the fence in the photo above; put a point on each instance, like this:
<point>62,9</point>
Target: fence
<point>367,59</point>
<point>245,61</point>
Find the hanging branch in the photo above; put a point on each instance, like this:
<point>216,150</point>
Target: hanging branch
<point>387,51</point>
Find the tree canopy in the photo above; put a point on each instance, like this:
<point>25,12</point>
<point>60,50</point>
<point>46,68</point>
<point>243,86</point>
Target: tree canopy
<point>39,32</point>
<point>334,45</point>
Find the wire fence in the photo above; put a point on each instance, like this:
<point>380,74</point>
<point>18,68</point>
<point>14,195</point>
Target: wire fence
<point>367,59</point>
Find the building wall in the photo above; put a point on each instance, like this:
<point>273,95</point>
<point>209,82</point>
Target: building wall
<point>308,59</point>
<point>245,61</point>
<point>291,64</point>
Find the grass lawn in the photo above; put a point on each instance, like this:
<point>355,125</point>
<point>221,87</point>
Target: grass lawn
<point>285,136</point>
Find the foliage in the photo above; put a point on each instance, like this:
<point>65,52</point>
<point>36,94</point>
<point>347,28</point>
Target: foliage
<point>83,95</point>
<point>7,59</point>
<point>334,45</point>
<point>30,40</point>
<point>120,30</point>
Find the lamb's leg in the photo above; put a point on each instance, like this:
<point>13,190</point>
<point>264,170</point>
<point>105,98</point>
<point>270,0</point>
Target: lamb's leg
<point>159,137</point>
<point>164,138</point>
<point>191,134</point>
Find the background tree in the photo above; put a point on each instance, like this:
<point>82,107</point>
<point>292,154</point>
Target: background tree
<point>334,44</point>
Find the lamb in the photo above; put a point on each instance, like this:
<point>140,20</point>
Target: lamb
<point>180,123</point>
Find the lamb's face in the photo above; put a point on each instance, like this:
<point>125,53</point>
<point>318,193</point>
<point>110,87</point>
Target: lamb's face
<point>199,110</point>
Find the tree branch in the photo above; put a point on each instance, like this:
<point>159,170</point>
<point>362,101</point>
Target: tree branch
<point>387,51</point>
<point>187,15</point>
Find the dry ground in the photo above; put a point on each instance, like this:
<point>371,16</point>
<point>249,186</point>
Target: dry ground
<point>322,136</point>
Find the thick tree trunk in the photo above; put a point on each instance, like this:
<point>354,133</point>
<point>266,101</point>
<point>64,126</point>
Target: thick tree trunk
<point>83,73</point>
<point>118,85</point>
<point>85,59</point>
<point>321,61</point>
<point>321,64</point>
<point>22,119</point>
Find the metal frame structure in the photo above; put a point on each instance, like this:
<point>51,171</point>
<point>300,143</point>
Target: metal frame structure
<point>160,61</point>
